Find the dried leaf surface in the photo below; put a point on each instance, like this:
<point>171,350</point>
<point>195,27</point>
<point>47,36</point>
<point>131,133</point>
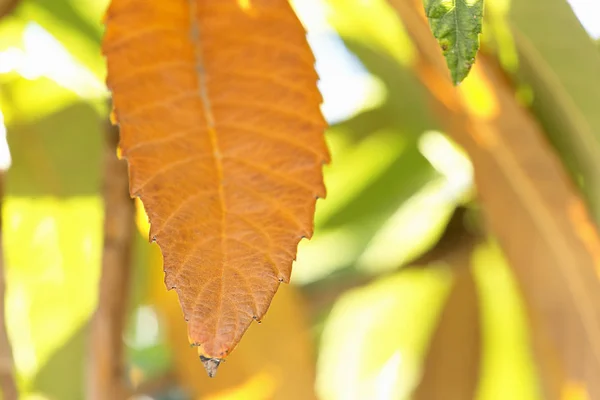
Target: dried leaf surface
<point>220,123</point>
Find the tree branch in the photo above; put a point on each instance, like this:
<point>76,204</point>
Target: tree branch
<point>7,365</point>
<point>7,7</point>
<point>105,369</point>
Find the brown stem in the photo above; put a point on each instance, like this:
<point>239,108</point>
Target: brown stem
<point>156,385</point>
<point>7,365</point>
<point>106,375</point>
<point>7,7</point>
<point>8,385</point>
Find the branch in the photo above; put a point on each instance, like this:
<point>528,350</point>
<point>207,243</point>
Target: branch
<point>7,365</point>
<point>7,7</point>
<point>106,376</point>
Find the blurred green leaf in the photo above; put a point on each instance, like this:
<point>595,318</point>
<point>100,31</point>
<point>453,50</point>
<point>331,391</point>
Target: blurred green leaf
<point>407,171</point>
<point>456,24</point>
<point>11,32</point>
<point>52,235</point>
<point>79,32</point>
<point>360,201</point>
<point>52,252</point>
<point>373,205</point>
<point>508,368</point>
<point>63,374</point>
<point>70,13</point>
<point>561,63</point>
<point>58,155</point>
<point>354,21</point>
<point>25,101</point>
<point>375,338</point>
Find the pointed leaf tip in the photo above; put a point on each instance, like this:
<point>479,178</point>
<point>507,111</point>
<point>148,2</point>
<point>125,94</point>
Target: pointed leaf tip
<point>456,24</point>
<point>211,365</point>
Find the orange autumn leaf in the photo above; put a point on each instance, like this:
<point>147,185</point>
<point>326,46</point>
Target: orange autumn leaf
<point>220,123</point>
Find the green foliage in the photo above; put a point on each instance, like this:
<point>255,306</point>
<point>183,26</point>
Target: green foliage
<point>508,368</point>
<point>383,138</point>
<point>456,24</point>
<point>76,26</point>
<point>382,355</point>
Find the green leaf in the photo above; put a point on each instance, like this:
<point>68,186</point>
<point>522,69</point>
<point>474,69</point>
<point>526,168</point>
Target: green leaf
<point>508,369</point>
<point>41,169</point>
<point>77,31</point>
<point>456,24</point>
<point>375,338</point>
<point>52,229</point>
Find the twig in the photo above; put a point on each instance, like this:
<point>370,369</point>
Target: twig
<point>106,376</point>
<point>7,365</point>
<point>154,386</point>
<point>7,7</point>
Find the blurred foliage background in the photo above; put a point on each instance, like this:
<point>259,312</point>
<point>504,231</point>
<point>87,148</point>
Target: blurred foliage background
<point>402,293</point>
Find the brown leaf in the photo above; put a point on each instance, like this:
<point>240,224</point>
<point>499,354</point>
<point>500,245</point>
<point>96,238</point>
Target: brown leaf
<point>453,360</point>
<point>220,123</point>
<point>274,361</point>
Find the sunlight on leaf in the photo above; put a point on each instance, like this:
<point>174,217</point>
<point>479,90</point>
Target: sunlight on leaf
<point>345,85</point>
<point>414,228</point>
<point>375,338</point>
<point>5,158</point>
<point>360,204</point>
<point>329,251</point>
<point>52,257</point>
<point>25,101</point>
<point>508,368</point>
<point>75,24</point>
<point>376,153</point>
<point>418,223</point>
<point>355,20</point>
<point>45,56</point>
<point>39,77</point>
<point>498,35</point>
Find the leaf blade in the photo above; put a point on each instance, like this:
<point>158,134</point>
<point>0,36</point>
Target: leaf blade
<point>456,24</point>
<point>221,126</point>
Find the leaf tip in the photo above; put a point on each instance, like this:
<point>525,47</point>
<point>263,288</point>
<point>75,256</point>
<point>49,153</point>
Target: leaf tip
<point>211,365</point>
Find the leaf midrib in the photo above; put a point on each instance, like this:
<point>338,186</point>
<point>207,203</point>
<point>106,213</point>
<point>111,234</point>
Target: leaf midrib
<point>457,39</point>
<point>196,37</point>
